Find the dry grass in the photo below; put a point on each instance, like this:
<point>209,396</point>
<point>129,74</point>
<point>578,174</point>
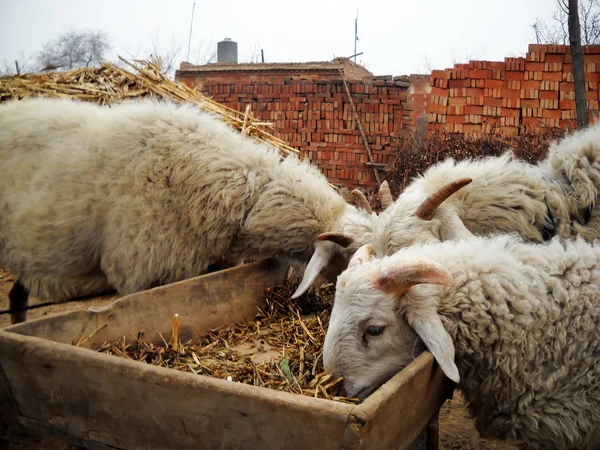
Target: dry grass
<point>110,84</point>
<point>281,349</point>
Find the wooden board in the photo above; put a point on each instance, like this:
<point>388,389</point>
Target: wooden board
<point>106,401</point>
<point>400,410</point>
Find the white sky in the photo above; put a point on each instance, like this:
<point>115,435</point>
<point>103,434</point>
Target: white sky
<point>397,36</point>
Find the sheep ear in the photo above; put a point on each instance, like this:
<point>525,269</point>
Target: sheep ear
<point>319,259</point>
<point>364,254</point>
<point>438,342</point>
<point>453,229</point>
<point>398,278</point>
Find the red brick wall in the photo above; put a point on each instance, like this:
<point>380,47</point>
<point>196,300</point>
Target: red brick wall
<point>419,94</point>
<point>310,109</point>
<point>535,91</point>
<point>312,113</point>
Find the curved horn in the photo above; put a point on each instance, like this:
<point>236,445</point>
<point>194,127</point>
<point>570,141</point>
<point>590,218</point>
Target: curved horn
<point>341,239</point>
<point>385,195</point>
<point>364,254</point>
<point>361,201</point>
<point>319,259</point>
<point>430,204</point>
<point>399,277</point>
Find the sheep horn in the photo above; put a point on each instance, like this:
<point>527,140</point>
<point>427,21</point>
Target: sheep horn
<point>364,254</point>
<point>400,277</point>
<point>430,204</point>
<point>319,259</point>
<point>385,195</point>
<point>361,201</point>
<point>341,239</point>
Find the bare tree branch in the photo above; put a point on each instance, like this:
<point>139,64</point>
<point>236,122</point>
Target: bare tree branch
<point>557,32</point>
<point>468,56</point>
<point>203,53</point>
<point>74,48</point>
<point>255,55</point>
<point>168,56</point>
<point>9,67</point>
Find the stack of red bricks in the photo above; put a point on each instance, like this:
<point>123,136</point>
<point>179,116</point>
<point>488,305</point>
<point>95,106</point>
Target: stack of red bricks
<point>315,116</point>
<point>534,92</point>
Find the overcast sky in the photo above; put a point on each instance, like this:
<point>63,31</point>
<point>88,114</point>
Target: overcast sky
<point>397,36</point>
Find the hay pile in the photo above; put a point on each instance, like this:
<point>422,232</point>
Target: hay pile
<point>109,84</point>
<point>281,349</point>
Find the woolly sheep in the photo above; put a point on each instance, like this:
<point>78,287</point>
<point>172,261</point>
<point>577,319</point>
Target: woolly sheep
<point>143,193</point>
<point>517,325</point>
<point>500,195</point>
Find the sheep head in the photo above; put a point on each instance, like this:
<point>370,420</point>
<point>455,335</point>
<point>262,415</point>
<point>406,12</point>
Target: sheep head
<point>377,327</point>
<point>416,218</point>
<point>333,250</point>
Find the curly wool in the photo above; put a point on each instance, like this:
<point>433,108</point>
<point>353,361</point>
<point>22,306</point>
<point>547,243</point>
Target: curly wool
<point>555,197</point>
<point>574,162</point>
<point>525,322</point>
<point>145,193</point>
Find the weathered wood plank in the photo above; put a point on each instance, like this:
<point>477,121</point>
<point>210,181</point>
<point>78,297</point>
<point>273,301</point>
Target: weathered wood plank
<point>203,303</point>
<point>72,439</point>
<point>109,402</point>
<point>394,415</point>
<point>128,404</point>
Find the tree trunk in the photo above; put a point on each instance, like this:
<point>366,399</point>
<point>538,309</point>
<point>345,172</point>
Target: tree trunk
<point>578,65</point>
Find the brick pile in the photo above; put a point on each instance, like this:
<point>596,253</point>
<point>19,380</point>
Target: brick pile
<point>535,91</point>
<point>314,115</point>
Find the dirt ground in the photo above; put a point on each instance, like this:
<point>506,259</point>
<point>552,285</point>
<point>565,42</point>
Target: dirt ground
<point>457,430</point>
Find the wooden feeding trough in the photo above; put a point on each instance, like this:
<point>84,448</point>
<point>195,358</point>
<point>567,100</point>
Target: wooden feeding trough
<point>103,401</point>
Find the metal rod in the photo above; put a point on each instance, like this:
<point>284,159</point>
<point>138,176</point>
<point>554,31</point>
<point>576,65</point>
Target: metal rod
<point>191,27</point>
<point>355,33</point>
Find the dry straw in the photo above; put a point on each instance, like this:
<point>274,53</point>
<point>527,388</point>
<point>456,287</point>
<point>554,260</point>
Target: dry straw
<point>109,84</point>
<point>282,348</point>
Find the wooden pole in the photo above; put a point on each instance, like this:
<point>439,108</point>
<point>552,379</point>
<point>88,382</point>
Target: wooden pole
<point>360,127</point>
<point>578,65</point>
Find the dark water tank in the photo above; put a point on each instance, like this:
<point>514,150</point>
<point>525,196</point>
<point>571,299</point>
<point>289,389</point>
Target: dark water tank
<point>227,51</point>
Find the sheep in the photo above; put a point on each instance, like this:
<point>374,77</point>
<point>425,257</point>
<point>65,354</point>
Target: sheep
<point>149,192</point>
<point>500,195</point>
<point>515,324</point>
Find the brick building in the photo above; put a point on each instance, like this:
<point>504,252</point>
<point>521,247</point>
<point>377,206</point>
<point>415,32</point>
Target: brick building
<point>311,109</point>
<point>534,91</point>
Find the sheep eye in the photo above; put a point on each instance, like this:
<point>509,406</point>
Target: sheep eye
<point>374,331</point>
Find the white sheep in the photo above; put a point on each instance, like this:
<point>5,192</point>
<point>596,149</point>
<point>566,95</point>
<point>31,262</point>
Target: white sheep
<point>500,195</point>
<point>516,325</point>
<point>144,193</point>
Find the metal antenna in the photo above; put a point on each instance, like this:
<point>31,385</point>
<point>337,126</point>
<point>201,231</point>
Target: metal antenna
<point>191,25</point>
<point>355,33</point>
